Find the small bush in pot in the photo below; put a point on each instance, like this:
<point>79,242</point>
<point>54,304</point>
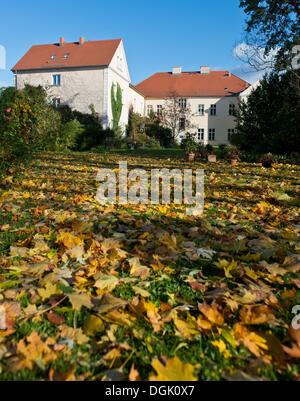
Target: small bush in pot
<point>190,146</point>
<point>233,154</point>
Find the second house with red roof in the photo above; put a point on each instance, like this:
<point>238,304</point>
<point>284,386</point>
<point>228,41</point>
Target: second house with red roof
<point>82,74</point>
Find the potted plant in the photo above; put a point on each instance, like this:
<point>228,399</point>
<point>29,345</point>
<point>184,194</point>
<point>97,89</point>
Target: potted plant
<point>211,156</point>
<point>267,160</point>
<point>190,146</point>
<point>233,155</point>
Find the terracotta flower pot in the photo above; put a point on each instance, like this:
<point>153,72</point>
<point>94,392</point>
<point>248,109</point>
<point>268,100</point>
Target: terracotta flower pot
<point>190,156</point>
<point>212,158</point>
<point>234,162</point>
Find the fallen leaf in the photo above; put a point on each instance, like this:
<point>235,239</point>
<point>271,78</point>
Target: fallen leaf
<point>212,313</point>
<point>173,370</point>
<point>93,325</point>
<point>137,269</point>
<point>80,300</point>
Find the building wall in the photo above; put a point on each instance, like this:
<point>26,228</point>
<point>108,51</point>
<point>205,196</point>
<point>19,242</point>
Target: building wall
<point>115,78</point>
<point>79,87</point>
<point>136,101</point>
<point>221,122</point>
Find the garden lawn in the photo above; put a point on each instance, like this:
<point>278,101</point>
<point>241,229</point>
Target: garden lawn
<point>91,292</point>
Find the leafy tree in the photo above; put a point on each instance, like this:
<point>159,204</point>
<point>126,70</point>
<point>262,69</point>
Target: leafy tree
<point>155,129</point>
<point>270,118</point>
<point>274,25</point>
<point>116,106</point>
<point>176,117</point>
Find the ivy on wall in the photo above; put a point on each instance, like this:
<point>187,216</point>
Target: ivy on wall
<point>116,105</point>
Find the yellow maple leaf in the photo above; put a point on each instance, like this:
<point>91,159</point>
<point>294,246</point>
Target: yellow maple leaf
<point>109,244</point>
<point>49,290</point>
<point>212,314</point>
<point>79,300</point>
<point>93,325</point>
<point>137,269</point>
<point>121,318</point>
<point>227,266</point>
<point>256,314</point>
<point>255,343</point>
<point>173,370</point>
<point>187,328</point>
<point>106,282</point>
<point>153,315</point>
<point>32,351</point>
<point>76,335</point>
<point>69,240</point>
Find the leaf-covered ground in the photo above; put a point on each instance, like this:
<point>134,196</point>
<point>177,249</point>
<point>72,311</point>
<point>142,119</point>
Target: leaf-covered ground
<point>89,292</point>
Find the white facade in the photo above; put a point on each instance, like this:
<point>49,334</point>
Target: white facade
<point>203,125</point>
<point>137,101</point>
<point>79,88</point>
<point>82,87</point>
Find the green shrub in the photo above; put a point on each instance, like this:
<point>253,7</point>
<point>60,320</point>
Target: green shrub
<point>146,142</point>
<point>92,134</point>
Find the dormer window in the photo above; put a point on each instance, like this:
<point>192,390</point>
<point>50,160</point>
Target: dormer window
<point>52,57</point>
<point>66,56</point>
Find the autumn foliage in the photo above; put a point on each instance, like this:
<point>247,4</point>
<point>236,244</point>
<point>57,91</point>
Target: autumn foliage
<point>95,292</point>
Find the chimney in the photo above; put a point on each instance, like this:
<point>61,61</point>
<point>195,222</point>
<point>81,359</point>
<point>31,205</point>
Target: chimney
<point>204,70</point>
<point>61,41</point>
<point>81,40</point>
<point>176,70</point>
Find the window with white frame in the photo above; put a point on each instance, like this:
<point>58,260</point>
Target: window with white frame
<point>56,80</point>
<point>149,109</point>
<point>232,109</point>
<point>211,134</point>
<point>201,109</point>
<point>159,110</point>
<point>182,103</point>
<point>56,102</point>
<point>200,134</point>
<point>230,132</point>
<point>213,109</point>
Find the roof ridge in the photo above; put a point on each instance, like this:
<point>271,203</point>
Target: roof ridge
<point>76,42</point>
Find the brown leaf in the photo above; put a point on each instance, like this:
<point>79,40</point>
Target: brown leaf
<point>55,318</point>
<point>9,311</point>
<point>212,313</point>
<point>256,314</point>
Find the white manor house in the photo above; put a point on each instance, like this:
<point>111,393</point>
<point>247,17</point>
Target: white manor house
<point>80,74</point>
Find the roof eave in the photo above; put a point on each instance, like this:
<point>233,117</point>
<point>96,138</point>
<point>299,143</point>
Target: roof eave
<point>14,69</point>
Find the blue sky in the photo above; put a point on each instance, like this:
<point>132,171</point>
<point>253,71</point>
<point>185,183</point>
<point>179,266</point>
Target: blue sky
<point>158,34</point>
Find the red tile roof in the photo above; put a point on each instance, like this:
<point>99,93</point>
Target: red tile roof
<point>192,84</point>
<point>53,56</point>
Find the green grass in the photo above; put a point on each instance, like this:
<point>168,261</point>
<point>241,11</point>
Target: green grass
<point>247,220</point>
